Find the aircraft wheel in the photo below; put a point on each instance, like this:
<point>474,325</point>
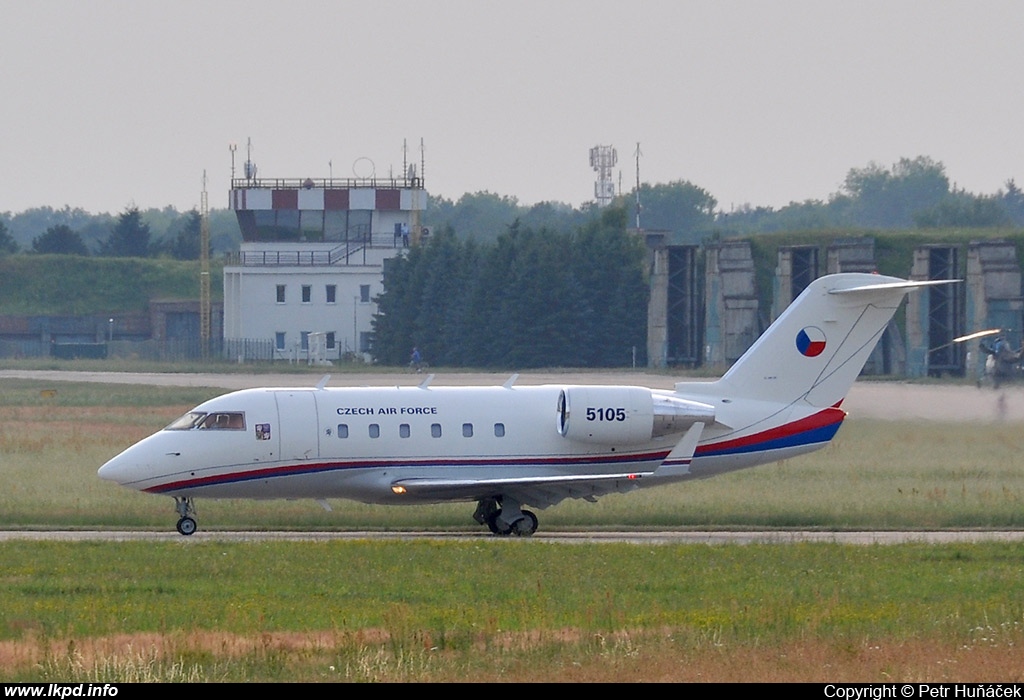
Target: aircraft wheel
<point>186,526</point>
<point>526,525</point>
<point>495,526</point>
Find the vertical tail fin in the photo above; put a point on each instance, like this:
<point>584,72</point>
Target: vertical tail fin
<point>817,347</point>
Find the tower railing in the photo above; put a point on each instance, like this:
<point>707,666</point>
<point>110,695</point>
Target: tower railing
<point>328,183</point>
<point>346,253</point>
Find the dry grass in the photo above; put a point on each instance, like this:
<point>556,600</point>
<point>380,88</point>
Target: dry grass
<point>565,656</point>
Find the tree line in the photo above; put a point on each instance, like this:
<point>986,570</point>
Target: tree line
<point>532,298</point>
<point>911,193</point>
<point>133,233</point>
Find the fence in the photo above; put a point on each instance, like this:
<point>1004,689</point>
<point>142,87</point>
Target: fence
<point>178,350</point>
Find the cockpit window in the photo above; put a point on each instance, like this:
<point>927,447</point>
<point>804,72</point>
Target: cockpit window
<point>187,421</point>
<point>221,420</point>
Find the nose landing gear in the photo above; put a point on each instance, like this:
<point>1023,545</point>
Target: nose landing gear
<point>186,510</point>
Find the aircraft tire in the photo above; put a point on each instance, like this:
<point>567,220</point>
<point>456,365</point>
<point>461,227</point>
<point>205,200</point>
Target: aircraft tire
<point>495,527</point>
<point>525,526</point>
<point>186,526</point>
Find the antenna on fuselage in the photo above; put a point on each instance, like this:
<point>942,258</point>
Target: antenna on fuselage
<point>426,382</point>
<point>323,382</point>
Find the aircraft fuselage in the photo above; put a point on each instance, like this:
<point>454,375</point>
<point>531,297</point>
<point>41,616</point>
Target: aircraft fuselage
<point>355,443</point>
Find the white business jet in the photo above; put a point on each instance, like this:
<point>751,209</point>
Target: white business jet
<point>506,447</point>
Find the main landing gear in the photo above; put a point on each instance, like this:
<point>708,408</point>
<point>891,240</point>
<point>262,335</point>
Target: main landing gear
<point>187,510</point>
<point>504,516</point>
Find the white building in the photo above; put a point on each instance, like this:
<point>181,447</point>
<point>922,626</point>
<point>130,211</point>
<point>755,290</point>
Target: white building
<point>303,284</point>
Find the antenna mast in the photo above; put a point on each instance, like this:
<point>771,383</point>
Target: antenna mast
<point>638,154</point>
<point>414,180</point>
<point>204,271</point>
<point>250,167</point>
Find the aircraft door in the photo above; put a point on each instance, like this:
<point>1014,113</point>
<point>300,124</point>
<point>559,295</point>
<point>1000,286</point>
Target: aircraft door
<point>297,417</point>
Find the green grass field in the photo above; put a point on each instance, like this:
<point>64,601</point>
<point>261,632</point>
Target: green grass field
<point>489,609</point>
<point>511,609</point>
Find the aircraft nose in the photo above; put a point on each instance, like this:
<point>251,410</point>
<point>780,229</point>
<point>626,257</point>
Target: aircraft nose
<point>116,469</point>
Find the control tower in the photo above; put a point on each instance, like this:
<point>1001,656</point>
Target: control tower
<point>303,284</point>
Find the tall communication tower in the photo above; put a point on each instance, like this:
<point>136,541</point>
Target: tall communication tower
<point>602,160</point>
<point>204,272</point>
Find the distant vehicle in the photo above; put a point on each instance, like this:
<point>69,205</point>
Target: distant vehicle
<point>506,447</point>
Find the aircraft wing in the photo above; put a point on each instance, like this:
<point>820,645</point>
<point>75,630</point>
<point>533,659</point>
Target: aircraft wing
<point>544,491</point>
<point>538,491</point>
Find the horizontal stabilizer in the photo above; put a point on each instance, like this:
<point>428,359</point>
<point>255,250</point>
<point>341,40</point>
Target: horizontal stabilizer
<point>904,284</point>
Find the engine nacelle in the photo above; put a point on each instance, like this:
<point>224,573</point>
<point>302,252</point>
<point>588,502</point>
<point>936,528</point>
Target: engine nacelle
<point>625,415</point>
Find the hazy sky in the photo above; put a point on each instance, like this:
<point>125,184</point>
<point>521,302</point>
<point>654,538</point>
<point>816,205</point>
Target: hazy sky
<point>104,104</point>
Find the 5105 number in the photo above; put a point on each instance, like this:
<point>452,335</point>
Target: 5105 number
<point>606,414</point>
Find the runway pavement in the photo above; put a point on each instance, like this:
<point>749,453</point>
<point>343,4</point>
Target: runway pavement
<point>887,537</point>
<point>883,400</point>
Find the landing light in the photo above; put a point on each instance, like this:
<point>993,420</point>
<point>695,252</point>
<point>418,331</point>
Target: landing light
<point>398,489</point>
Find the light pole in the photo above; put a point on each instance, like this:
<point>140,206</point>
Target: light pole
<point>110,332</point>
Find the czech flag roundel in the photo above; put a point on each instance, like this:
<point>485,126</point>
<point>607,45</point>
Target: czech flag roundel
<point>810,341</point>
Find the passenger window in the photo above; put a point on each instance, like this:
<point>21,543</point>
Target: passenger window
<point>342,430</point>
<point>499,430</point>
<point>403,430</point>
<point>467,430</point>
<point>374,430</point>
<point>435,430</point>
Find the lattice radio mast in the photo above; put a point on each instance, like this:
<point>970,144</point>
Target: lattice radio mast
<point>602,160</point>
